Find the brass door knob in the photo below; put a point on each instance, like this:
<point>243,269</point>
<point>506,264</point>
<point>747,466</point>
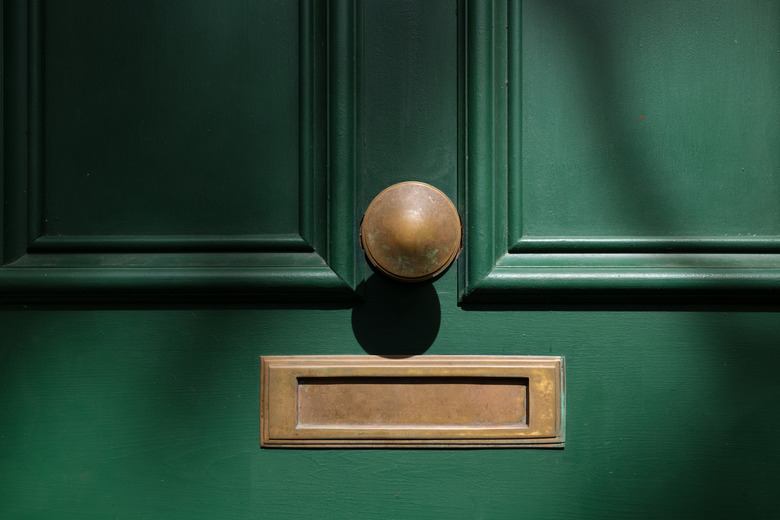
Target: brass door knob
<point>411,232</point>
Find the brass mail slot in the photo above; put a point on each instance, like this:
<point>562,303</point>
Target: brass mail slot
<point>426,401</point>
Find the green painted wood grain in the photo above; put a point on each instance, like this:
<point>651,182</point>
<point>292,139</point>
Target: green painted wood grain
<point>153,413</point>
<point>183,120</point>
<point>177,143</point>
<point>152,410</point>
<point>584,176</point>
<point>650,119</point>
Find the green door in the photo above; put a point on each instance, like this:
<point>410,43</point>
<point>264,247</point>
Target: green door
<point>182,185</point>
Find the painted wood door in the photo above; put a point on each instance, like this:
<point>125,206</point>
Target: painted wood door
<point>182,184</point>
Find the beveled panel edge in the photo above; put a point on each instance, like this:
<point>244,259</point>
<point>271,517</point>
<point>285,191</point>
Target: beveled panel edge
<point>484,145</point>
<point>326,218</point>
<point>344,127</point>
<point>16,118</point>
<point>419,365</point>
<point>620,284</point>
<point>769,244</point>
<point>170,244</point>
<point>494,267</point>
<point>173,285</point>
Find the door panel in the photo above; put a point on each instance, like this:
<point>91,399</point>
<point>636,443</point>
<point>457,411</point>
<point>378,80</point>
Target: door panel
<point>148,406</point>
<point>168,149</point>
<point>197,146</point>
<point>568,191</point>
<point>650,120</point>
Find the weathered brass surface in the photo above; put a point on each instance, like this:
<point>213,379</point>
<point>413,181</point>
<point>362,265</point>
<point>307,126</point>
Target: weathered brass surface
<point>460,401</point>
<point>430,401</point>
<point>411,232</point>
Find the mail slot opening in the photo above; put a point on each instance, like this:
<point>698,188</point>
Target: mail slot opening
<point>403,402</point>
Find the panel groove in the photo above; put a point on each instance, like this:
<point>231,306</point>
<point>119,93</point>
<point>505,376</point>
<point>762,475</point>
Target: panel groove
<point>768,244</point>
<point>514,123</point>
<point>168,243</point>
<point>15,130</point>
<point>36,159</point>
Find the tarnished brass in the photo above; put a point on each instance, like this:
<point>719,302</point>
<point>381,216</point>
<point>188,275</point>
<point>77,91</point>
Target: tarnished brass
<point>460,401</point>
<point>411,232</point>
<point>430,401</point>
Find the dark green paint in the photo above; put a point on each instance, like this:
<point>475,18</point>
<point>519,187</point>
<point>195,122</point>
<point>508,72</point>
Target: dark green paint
<point>344,119</point>
<point>204,121</point>
<point>151,410</point>
<point>651,118</point>
<point>549,140</point>
<point>274,242</point>
<point>153,414</point>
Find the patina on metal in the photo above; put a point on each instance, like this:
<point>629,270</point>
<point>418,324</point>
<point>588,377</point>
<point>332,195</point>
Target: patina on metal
<point>417,402</point>
<point>411,232</point>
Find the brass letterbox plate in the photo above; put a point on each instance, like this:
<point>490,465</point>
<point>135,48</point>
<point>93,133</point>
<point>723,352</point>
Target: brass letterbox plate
<point>418,402</point>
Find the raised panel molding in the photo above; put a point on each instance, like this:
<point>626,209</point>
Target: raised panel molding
<point>503,264</point>
<point>317,263</point>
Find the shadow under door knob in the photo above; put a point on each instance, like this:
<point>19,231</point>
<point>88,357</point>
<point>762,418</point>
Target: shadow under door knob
<point>411,232</point>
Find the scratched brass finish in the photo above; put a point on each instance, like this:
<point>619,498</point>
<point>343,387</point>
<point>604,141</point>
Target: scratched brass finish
<point>411,232</point>
<point>425,402</point>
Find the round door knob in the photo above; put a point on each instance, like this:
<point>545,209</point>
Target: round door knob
<point>411,232</point>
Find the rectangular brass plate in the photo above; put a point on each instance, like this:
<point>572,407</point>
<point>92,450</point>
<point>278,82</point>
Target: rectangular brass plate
<point>418,402</point>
